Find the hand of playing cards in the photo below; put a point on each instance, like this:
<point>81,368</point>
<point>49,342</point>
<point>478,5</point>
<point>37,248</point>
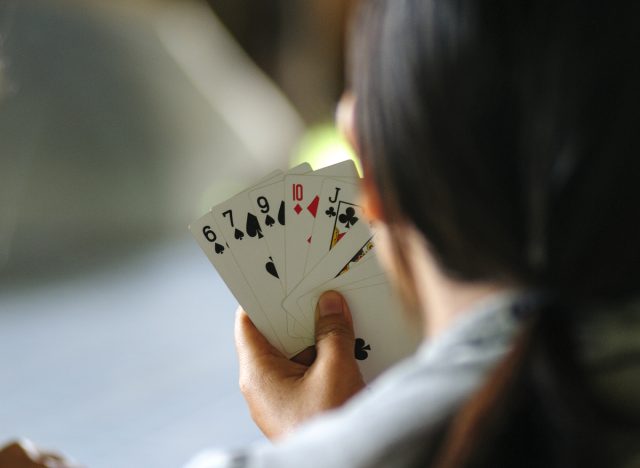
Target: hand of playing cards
<point>281,243</point>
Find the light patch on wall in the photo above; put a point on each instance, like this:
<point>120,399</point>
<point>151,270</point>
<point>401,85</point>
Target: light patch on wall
<point>323,145</point>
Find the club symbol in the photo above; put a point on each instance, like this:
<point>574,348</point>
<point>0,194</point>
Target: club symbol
<point>331,212</point>
<point>238,234</point>
<point>269,221</point>
<point>271,268</point>
<point>219,249</point>
<point>348,218</point>
<point>361,349</point>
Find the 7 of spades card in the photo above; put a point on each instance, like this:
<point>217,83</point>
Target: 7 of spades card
<point>242,229</point>
<point>210,239</point>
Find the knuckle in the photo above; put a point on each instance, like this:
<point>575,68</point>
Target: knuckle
<point>244,385</point>
<point>334,332</point>
<point>337,362</point>
<point>252,379</point>
<point>247,383</point>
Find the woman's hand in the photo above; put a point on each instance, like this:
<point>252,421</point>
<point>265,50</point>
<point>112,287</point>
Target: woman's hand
<point>24,454</point>
<point>282,393</point>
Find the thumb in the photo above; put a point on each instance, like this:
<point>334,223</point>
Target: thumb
<point>334,329</point>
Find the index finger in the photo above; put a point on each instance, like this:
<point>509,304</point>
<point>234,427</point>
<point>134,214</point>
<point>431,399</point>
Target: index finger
<point>250,343</point>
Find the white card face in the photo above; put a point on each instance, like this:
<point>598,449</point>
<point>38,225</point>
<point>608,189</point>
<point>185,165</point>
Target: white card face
<point>384,335</point>
<point>209,238</point>
<point>338,212</point>
<point>363,273</point>
<point>309,301</point>
<point>268,202</point>
<point>302,197</point>
<point>367,274</point>
<point>241,227</point>
<point>345,254</point>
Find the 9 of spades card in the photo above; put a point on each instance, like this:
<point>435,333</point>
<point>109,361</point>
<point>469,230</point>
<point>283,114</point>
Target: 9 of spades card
<point>268,202</point>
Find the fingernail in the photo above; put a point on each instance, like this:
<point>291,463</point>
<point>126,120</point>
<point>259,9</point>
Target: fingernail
<point>330,303</point>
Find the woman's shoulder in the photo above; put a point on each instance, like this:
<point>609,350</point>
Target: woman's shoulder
<point>406,404</point>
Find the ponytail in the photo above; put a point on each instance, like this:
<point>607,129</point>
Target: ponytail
<point>505,133</point>
<point>535,409</point>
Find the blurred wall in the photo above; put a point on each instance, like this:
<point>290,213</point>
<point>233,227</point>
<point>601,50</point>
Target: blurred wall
<point>299,43</point>
<point>119,124</point>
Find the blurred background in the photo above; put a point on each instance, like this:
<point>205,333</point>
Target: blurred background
<point>121,122</point>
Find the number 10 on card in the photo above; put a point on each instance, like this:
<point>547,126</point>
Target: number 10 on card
<point>298,194</point>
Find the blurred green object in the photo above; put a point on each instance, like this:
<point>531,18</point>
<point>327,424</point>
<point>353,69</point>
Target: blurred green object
<point>323,145</point>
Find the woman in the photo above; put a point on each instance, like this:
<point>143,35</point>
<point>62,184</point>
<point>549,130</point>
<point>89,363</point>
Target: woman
<point>501,160</point>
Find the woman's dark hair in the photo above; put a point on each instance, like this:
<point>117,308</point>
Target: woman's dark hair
<point>507,132</point>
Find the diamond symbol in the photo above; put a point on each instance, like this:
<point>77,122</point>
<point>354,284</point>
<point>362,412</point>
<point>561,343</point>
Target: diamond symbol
<point>313,206</point>
<point>297,208</point>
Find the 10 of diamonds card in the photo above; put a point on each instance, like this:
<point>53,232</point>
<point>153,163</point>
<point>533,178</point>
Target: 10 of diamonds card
<point>293,235</point>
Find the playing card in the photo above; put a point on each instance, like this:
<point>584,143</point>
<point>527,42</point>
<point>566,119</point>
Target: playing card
<point>283,241</point>
<point>303,168</point>
<point>338,212</point>
<point>365,272</point>
<point>368,272</point>
<point>241,228</point>
<point>339,260</point>
<point>268,200</point>
<point>302,197</point>
<point>209,238</point>
<point>383,335</point>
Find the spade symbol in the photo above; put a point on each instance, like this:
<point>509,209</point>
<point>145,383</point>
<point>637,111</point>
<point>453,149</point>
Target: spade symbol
<point>271,268</point>
<point>348,218</point>
<point>281,214</point>
<point>253,226</point>
<point>361,349</point>
<point>269,221</point>
<point>238,234</point>
<point>219,248</point>
<point>331,212</point>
